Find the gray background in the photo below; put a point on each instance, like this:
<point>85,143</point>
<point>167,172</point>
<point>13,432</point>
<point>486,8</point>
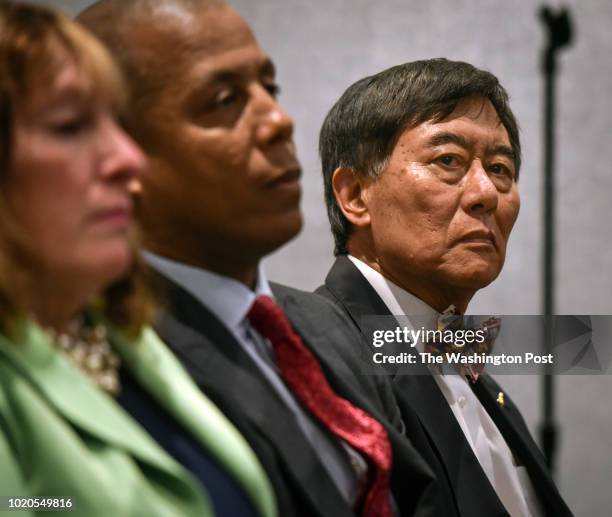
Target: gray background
<point>320,47</point>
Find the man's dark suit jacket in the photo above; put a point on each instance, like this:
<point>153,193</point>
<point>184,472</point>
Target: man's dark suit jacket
<point>221,368</point>
<point>431,425</point>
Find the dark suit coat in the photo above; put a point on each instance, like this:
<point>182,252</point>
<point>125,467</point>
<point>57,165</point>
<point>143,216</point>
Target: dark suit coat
<point>221,368</point>
<point>430,423</point>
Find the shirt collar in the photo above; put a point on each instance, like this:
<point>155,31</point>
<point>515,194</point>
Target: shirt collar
<point>228,299</point>
<point>398,300</point>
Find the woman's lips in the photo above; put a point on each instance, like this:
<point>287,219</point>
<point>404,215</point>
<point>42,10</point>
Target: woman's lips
<point>119,216</point>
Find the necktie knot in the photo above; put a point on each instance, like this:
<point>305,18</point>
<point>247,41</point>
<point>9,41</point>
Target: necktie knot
<point>268,318</point>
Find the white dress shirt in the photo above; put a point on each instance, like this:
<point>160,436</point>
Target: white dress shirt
<point>510,481</point>
<point>230,301</point>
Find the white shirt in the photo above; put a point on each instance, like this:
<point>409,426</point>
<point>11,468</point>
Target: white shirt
<point>230,301</point>
<point>510,481</point>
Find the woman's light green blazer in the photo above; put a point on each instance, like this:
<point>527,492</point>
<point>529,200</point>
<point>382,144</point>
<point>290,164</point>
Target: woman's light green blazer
<point>61,436</point>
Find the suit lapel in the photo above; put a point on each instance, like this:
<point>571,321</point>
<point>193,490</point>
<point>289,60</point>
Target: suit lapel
<point>420,395</point>
<point>223,370</point>
<point>160,373</point>
<point>409,469</point>
<point>79,401</point>
<point>317,340</point>
<point>465,475</point>
<point>353,292</point>
<point>512,427</point>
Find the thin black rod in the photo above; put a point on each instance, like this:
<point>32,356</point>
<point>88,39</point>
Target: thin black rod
<point>559,32</point>
<point>549,427</point>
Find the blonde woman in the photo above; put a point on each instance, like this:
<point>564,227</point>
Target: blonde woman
<point>92,405</point>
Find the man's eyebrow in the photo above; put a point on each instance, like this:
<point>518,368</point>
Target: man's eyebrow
<point>268,68</point>
<point>504,150</point>
<point>445,138</point>
<point>224,75</point>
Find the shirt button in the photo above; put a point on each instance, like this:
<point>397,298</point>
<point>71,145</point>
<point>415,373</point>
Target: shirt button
<point>462,401</point>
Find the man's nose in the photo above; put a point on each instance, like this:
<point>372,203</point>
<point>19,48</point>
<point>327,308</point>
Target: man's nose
<point>480,194</point>
<point>121,156</point>
<point>273,123</point>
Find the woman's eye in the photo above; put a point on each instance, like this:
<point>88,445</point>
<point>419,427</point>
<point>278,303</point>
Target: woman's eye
<point>71,127</point>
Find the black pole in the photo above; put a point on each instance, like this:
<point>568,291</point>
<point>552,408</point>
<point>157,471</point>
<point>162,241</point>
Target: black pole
<point>559,32</point>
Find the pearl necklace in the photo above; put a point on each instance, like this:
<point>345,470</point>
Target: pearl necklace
<point>89,349</point>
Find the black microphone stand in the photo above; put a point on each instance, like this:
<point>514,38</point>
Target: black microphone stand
<point>559,31</point>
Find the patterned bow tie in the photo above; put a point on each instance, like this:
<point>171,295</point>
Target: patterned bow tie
<point>450,322</point>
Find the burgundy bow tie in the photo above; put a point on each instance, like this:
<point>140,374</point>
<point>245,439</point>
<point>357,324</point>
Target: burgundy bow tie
<point>452,321</point>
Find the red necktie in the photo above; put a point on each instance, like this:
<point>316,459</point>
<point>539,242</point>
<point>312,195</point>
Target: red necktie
<point>302,373</point>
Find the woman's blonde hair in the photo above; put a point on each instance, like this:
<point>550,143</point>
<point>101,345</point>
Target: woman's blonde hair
<point>30,37</point>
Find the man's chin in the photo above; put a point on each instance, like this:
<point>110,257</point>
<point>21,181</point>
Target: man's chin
<point>281,233</point>
<point>291,228</point>
<point>476,278</point>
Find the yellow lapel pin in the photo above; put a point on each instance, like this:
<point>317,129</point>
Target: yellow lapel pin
<point>500,399</point>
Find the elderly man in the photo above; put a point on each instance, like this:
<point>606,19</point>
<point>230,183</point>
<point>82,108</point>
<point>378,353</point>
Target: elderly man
<point>420,164</point>
<point>222,192</point>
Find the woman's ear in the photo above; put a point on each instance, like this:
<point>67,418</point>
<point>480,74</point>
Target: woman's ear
<point>349,189</point>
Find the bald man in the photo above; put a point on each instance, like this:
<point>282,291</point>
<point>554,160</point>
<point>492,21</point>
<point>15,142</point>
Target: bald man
<point>223,191</point>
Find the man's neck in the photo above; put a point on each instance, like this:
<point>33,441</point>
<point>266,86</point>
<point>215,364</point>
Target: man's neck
<point>244,272</point>
<point>436,296</point>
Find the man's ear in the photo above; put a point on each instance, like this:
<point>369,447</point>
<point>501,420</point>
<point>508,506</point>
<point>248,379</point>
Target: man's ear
<point>349,189</point>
